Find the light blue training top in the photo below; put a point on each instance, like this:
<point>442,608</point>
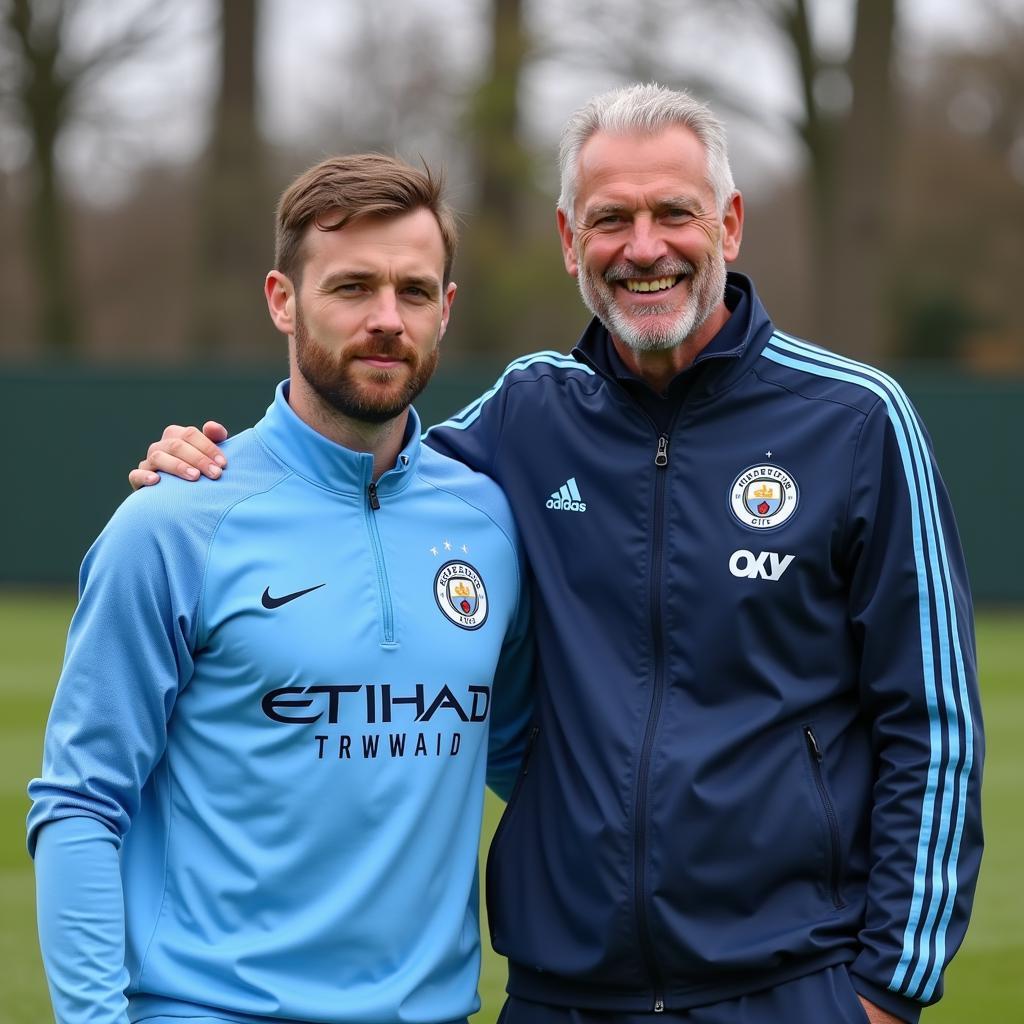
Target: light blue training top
<point>271,733</point>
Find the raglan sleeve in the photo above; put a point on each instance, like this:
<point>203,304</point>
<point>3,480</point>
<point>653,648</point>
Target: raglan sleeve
<point>910,610</point>
<point>513,696</point>
<point>473,435</point>
<point>128,654</point>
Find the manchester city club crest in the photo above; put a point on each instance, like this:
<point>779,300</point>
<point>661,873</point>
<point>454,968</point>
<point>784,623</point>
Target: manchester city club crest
<point>461,595</point>
<point>763,497</point>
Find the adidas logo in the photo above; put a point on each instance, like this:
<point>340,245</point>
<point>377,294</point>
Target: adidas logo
<point>567,498</point>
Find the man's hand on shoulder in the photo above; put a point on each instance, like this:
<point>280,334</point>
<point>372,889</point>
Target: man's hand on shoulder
<point>185,452</point>
<point>876,1015</point>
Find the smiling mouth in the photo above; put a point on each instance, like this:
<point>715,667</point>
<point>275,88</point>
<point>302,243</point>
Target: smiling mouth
<point>637,285</point>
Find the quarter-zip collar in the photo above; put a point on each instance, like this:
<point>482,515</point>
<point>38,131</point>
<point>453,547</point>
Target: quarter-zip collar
<point>722,361</point>
<point>328,464</point>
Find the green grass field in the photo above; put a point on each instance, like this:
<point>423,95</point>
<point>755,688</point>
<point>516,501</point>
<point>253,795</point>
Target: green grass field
<point>985,983</point>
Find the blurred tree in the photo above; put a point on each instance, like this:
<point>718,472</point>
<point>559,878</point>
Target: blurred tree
<point>235,247</point>
<point>501,163</point>
<point>42,82</point>
<point>492,261</point>
<point>960,205</point>
<point>515,295</point>
<point>846,124</point>
<point>409,102</point>
<point>654,44</point>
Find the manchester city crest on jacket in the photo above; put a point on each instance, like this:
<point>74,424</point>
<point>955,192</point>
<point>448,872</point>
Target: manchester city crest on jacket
<point>461,595</point>
<point>763,497</point>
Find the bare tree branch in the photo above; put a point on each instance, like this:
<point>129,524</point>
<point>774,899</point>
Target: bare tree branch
<point>148,28</point>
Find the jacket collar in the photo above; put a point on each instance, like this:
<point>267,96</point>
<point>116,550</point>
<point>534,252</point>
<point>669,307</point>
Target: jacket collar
<point>724,360</point>
<point>326,463</point>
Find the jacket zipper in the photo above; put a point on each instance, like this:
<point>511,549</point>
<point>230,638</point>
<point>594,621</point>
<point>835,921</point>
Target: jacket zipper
<point>640,830</point>
<point>387,610</point>
<point>817,760</point>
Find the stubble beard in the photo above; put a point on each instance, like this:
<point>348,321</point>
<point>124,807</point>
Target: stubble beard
<point>706,286</point>
<point>333,377</point>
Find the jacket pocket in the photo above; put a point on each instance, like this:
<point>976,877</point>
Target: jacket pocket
<point>833,866</point>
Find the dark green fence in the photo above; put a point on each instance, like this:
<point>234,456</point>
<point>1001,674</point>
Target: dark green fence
<point>976,425</point>
<point>71,434</point>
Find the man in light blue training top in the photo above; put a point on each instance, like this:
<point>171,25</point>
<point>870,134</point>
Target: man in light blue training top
<point>264,767</point>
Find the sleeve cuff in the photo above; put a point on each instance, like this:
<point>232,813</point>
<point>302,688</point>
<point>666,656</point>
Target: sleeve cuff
<point>908,1010</point>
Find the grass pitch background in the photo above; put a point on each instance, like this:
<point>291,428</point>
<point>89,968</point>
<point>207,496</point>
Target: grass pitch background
<point>985,983</point>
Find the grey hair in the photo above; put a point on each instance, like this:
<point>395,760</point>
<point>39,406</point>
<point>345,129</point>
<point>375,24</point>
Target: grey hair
<point>645,108</point>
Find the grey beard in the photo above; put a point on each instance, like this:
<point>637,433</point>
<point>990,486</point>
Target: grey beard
<point>707,286</point>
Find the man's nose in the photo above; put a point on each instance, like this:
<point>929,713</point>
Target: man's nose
<point>385,317</point>
<point>645,245</point>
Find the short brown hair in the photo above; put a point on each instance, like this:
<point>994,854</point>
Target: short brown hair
<point>342,188</point>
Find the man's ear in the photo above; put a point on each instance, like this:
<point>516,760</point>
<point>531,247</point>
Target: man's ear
<point>565,233</point>
<point>280,295</point>
<point>732,228</point>
<point>446,307</point>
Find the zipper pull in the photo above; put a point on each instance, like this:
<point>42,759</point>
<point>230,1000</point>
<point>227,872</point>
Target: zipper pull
<point>812,743</point>
<point>659,1005</point>
<point>661,458</point>
<point>374,500</point>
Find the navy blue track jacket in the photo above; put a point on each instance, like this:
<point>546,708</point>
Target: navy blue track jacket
<point>757,749</point>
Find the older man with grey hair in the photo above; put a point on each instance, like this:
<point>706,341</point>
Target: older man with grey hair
<point>751,791</point>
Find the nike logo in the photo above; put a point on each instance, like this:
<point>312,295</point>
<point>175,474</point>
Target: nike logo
<point>276,602</point>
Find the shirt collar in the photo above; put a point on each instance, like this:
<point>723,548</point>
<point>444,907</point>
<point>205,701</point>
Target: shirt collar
<point>327,463</point>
